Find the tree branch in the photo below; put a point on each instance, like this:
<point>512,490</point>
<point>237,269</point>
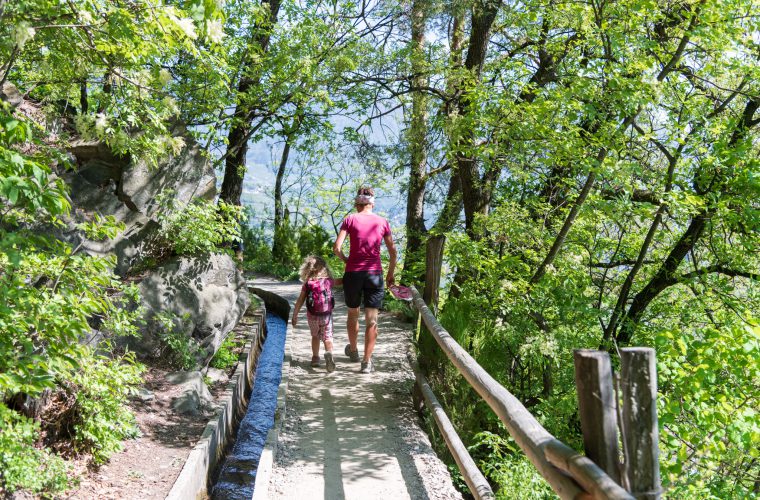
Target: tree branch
<point>718,269</point>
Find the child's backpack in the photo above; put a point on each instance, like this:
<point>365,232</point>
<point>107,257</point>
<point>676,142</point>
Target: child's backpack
<point>319,297</point>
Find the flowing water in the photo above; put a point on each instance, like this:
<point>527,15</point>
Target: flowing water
<point>238,471</point>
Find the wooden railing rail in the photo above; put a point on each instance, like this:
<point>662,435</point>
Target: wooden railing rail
<point>571,474</point>
<point>475,480</point>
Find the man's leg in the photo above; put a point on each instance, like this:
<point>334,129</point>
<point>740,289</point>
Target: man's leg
<point>370,333</point>
<point>352,325</point>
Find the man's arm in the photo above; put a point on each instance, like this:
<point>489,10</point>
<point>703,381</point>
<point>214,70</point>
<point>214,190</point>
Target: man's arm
<point>297,307</point>
<point>390,278</point>
<point>338,246</point>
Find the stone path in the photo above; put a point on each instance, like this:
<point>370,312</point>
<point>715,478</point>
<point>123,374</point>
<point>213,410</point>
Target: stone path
<point>348,435</point>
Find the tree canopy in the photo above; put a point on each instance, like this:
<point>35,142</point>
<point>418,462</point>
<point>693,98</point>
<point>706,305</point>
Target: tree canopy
<point>592,167</point>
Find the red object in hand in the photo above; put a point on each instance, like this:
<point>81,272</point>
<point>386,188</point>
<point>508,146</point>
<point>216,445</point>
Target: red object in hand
<point>401,292</point>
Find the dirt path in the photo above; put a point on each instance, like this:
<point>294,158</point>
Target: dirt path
<point>348,435</point>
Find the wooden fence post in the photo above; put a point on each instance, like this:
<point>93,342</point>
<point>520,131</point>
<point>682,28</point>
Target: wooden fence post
<point>433,264</point>
<point>598,409</point>
<point>639,386</point>
<point>431,356</point>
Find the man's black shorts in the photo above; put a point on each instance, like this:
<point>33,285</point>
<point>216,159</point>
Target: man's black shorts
<point>367,283</point>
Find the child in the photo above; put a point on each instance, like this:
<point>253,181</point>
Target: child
<point>317,293</point>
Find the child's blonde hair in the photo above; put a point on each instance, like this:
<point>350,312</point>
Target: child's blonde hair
<point>314,267</point>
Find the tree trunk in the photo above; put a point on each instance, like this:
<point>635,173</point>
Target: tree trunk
<point>83,104</point>
<point>241,127</point>
<point>431,356</point>
<point>279,210</point>
<point>474,198</point>
<point>417,144</point>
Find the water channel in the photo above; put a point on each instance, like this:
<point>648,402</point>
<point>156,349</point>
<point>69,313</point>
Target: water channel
<point>238,471</point>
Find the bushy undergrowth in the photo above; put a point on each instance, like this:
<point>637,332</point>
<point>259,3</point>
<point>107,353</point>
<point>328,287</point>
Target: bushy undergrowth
<point>707,375</point>
<point>403,308</point>
<point>199,227</point>
<point>179,350</point>
<point>103,421</point>
<point>52,297</point>
<point>22,464</point>
<point>295,245</point>
<point>227,355</point>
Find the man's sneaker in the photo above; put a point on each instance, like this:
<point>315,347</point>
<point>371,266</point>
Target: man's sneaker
<point>329,362</point>
<point>367,367</point>
<point>352,355</point>
<point>314,361</point>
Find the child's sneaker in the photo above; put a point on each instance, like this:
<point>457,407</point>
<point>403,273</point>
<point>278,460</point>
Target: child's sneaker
<point>367,367</point>
<point>315,361</point>
<point>329,362</point>
<point>352,355</point>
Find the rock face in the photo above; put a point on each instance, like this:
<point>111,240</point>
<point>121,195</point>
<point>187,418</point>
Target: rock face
<point>204,296</point>
<point>208,294</point>
<point>194,396</point>
<point>108,184</point>
<point>10,94</point>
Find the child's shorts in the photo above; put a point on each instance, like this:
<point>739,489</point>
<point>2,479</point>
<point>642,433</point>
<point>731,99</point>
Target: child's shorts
<point>321,326</point>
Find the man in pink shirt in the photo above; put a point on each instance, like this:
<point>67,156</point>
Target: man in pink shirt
<point>364,272</point>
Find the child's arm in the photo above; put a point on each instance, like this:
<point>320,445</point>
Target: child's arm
<point>297,308</point>
<point>338,281</point>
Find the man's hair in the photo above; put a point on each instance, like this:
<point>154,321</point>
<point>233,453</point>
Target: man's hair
<point>364,196</point>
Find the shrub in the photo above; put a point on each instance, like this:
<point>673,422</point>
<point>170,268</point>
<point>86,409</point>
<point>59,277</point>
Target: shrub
<point>295,245</point>
<point>401,307</point>
<point>52,295</point>
<point>504,465</point>
<point>227,355</point>
<point>22,466</point>
<point>102,417</point>
<point>198,227</point>
<point>178,349</point>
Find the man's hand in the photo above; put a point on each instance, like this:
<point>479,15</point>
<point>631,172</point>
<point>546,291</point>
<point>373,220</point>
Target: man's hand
<point>390,280</point>
<point>294,321</point>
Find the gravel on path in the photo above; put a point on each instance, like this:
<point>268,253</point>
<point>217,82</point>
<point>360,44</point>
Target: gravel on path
<point>349,435</point>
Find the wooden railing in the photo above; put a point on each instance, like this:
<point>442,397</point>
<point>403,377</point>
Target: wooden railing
<point>571,474</point>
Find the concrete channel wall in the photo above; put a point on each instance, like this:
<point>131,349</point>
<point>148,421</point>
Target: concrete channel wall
<point>195,478</point>
<point>281,307</point>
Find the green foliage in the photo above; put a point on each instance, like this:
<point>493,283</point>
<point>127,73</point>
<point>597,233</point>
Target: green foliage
<point>229,352</point>
<point>50,296</point>
<point>308,240</point>
<point>708,409</point>
<point>503,464</point>
<point>400,306</point>
<point>119,68</point>
<point>101,417</point>
<point>575,98</point>
<point>652,105</point>
<point>177,348</point>
<point>22,465</point>
<point>199,227</point>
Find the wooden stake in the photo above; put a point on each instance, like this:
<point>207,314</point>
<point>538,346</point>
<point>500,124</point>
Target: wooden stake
<point>434,262</point>
<point>597,407</point>
<point>431,356</point>
<point>639,384</point>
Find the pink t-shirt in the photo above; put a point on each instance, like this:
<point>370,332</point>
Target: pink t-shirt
<point>366,233</point>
